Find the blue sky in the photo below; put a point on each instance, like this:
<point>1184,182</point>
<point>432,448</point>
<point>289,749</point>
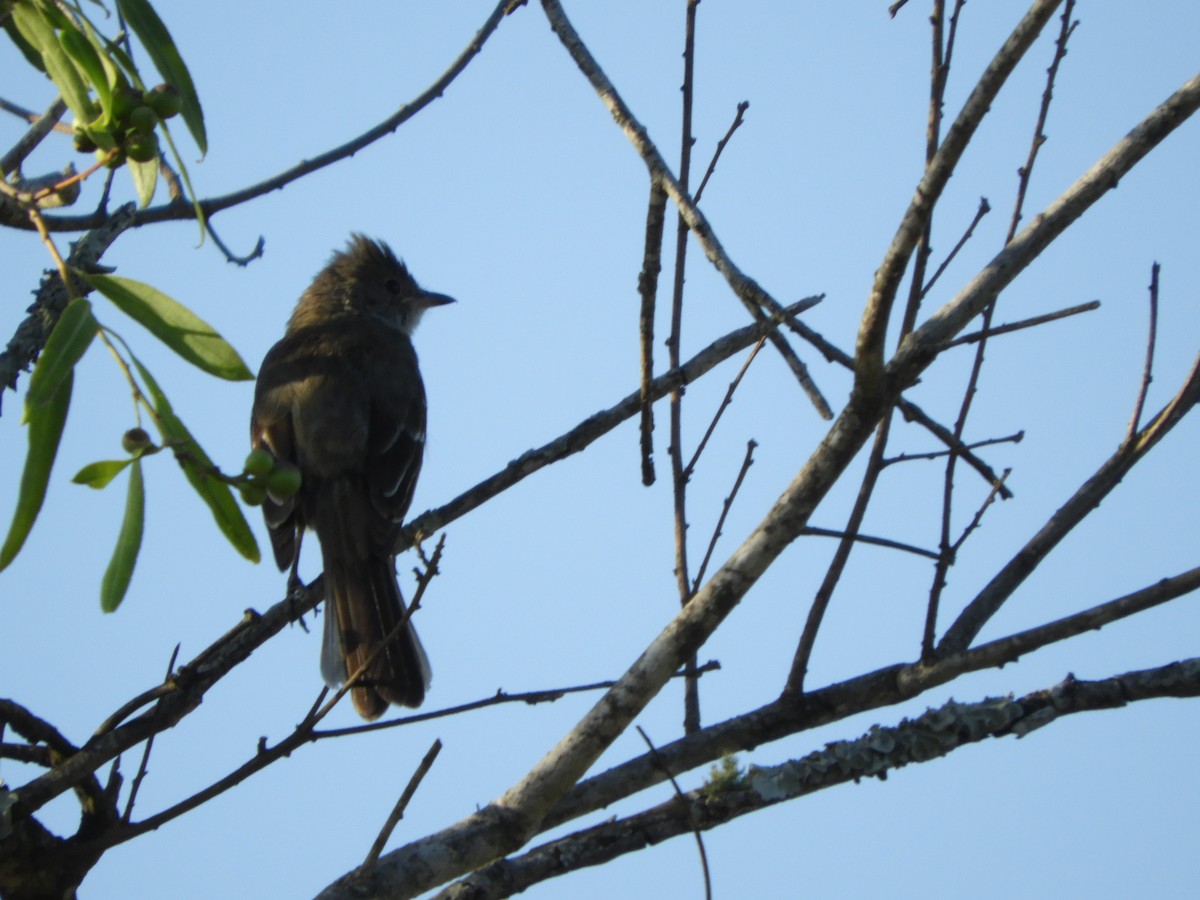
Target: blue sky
<point>516,194</point>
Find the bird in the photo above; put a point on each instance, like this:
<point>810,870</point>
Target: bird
<point>340,398</point>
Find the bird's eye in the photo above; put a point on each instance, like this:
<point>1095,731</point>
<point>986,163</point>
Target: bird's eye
<point>393,286</point>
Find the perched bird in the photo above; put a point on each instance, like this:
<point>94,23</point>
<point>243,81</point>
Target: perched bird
<point>340,398</point>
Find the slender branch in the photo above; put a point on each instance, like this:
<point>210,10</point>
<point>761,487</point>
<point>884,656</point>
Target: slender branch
<point>1031,322</point>
<point>873,329</point>
<point>837,566</point>
<point>724,404</point>
<point>873,540</point>
<point>747,462</point>
<point>40,127</point>
<point>397,812</point>
<point>914,413</point>
<point>1014,438</point>
<point>1147,371</point>
<point>712,163</point>
<point>529,698</point>
<point>592,428</point>
<point>985,604</point>
<point>136,784</point>
<point>982,210</point>
<point>1039,131</point>
<point>682,801</point>
<point>978,517</point>
<point>174,211</point>
<point>679,479</point>
<point>756,300</point>
<point>648,289</point>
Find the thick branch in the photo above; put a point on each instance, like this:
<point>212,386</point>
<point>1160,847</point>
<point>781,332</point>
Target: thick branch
<point>877,753</point>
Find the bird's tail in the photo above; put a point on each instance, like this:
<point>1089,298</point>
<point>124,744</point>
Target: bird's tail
<point>364,608</point>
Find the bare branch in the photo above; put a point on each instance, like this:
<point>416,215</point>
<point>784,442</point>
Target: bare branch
<point>1147,372</point>
<point>1031,322</point>
<point>724,404</point>
<point>648,289</point>
<point>923,344</point>
<point>880,751</point>
<point>982,210</point>
<point>747,461</point>
<point>40,127</point>
<point>712,163</point>
<point>592,428</point>
<point>756,300</point>
<point>1039,132</point>
<point>869,350</point>
<point>1082,502</point>
<point>397,812</point>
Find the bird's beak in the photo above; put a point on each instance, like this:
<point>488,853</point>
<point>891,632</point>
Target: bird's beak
<point>428,299</point>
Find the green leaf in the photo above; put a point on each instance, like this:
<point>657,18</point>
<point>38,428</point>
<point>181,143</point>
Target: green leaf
<point>141,17</point>
<point>98,474</point>
<point>116,578</point>
<point>31,21</point>
<point>145,178</point>
<point>175,325</point>
<point>83,52</point>
<point>27,49</point>
<point>198,469</point>
<point>45,431</point>
<point>66,345</point>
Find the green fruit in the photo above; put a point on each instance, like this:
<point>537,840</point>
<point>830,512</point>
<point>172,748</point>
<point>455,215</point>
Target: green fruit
<point>165,101</point>
<point>141,120</point>
<point>125,99</point>
<point>142,147</point>
<point>283,481</point>
<point>253,493</point>
<point>83,141</point>
<point>135,440</point>
<point>259,463</point>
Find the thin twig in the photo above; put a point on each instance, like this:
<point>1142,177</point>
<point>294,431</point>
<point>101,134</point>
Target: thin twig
<point>690,468</point>
<point>712,163</point>
<point>757,301</point>
<point>397,812</point>
<point>1031,322</point>
<point>591,428</point>
<point>501,697</point>
<point>947,548</point>
<point>1014,438</point>
<point>1147,372</point>
<point>1086,499</point>
<point>860,538</point>
<point>1039,131</point>
<point>913,413</point>
<point>870,370</point>
<point>648,289</point>
<point>679,478</point>
<point>685,805</point>
<point>143,765</point>
<point>982,210</point>
<point>747,462</point>
<point>794,685</point>
<point>978,517</point>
